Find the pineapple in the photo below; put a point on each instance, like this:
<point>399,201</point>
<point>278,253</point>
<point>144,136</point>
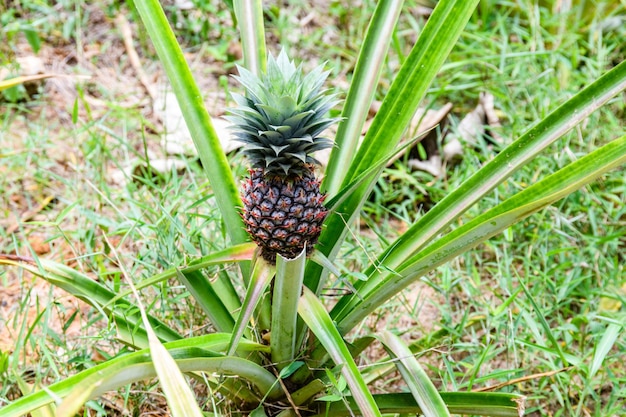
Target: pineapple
<point>279,122</point>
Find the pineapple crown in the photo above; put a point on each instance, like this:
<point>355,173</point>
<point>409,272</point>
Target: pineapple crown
<point>282,115</point>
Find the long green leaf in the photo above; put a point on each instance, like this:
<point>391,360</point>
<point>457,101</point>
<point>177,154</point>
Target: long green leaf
<point>418,71</point>
<point>509,160</point>
<point>418,382</point>
<point>470,403</point>
<point>193,354</point>
<point>180,398</point>
<point>197,118</point>
<point>178,394</point>
<point>564,118</point>
<point>202,290</point>
<point>285,296</point>
<point>383,367</point>
<point>347,190</point>
<point>492,222</point>
<point>250,23</point>
<point>170,377</point>
<point>72,403</point>
<point>96,295</point>
<point>262,275</point>
<point>367,71</point>
<point>237,253</point>
<point>316,317</point>
<point>26,388</point>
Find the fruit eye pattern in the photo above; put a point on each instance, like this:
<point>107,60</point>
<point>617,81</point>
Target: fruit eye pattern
<point>282,228</point>
<point>279,121</point>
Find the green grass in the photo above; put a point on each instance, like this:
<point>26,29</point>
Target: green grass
<point>569,257</point>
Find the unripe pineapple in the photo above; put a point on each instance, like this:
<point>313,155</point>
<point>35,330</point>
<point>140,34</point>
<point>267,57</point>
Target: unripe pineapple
<point>279,122</point>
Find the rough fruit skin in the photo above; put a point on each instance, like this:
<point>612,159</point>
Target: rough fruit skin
<point>283,214</point>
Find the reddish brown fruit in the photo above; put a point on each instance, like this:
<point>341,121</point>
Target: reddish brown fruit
<point>283,214</point>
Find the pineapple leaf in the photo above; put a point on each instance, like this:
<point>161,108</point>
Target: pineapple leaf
<point>299,155</point>
<point>279,149</point>
<point>435,42</point>
<point>272,114</point>
<point>283,111</point>
<point>298,118</point>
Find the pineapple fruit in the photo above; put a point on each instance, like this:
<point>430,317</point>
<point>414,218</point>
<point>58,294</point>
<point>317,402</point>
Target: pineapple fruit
<point>279,122</point>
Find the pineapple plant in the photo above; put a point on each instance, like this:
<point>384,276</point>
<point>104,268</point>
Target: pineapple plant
<point>279,121</point>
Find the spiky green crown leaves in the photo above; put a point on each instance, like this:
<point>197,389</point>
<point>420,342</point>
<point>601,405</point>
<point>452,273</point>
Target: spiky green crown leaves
<point>282,115</point>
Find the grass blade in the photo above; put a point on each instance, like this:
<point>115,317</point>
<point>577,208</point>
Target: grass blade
<point>316,317</point>
<point>544,323</point>
<point>603,347</point>
<point>286,293</point>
